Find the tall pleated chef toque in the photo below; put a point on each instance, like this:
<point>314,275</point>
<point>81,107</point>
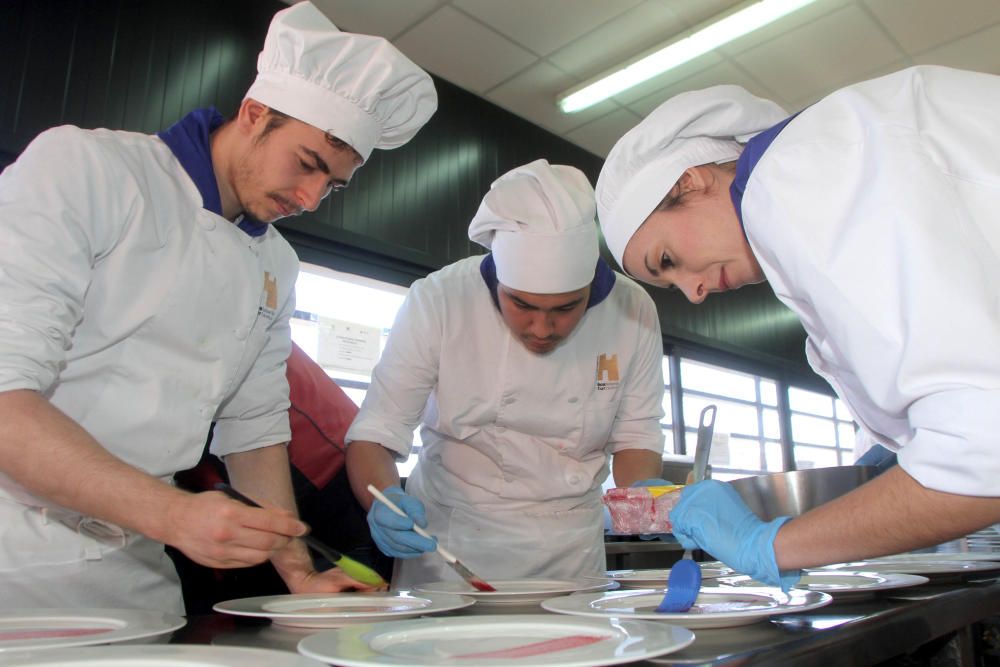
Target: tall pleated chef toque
<point>688,130</point>
<point>538,221</point>
<point>359,88</point>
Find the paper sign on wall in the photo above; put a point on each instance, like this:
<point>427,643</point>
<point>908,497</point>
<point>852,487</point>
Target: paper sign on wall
<point>347,346</point>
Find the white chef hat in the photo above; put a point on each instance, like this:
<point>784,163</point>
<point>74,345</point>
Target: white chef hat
<point>538,220</point>
<point>688,130</point>
<point>359,88</point>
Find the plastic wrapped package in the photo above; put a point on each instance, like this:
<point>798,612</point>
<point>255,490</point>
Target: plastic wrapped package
<point>642,509</point>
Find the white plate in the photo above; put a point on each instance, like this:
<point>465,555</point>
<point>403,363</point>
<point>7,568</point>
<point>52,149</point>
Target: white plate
<point>955,555</point>
<point>521,640</point>
<point>517,593</point>
<point>840,584</point>
<point>332,610</point>
<point>57,628</point>
<point>714,608</point>
<point>173,655</point>
<point>934,569</point>
<point>658,578</point>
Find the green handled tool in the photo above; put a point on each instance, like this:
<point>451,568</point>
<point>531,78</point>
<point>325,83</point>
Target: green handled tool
<point>350,567</point>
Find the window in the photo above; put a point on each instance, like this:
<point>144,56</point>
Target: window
<point>747,438</point>
<point>747,427</point>
<point>822,430</point>
<point>667,423</point>
<point>324,298</point>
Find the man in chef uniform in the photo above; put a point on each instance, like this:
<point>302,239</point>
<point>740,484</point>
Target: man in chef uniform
<point>144,296</point>
<point>526,369</point>
<point>873,216</point>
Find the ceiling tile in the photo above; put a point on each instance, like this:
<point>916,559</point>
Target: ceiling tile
<point>617,41</point>
<point>919,25</point>
<point>817,57</point>
<point>461,50</point>
<point>977,52</point>
<point>600,135</point>
<point>693,12</point>
<point>387,18</point>
<point>724,72</point>
<point>532,94</point>
<point>543,27</point>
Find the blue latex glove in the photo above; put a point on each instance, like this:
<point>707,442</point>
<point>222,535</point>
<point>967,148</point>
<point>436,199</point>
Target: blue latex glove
<point>665,537</point>
<point>393,533</point>
<point>712,516</point>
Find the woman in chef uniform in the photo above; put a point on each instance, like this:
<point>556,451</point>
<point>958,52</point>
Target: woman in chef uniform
<point>139,305</point>
<point>527,369</point>
<point>873,214</point>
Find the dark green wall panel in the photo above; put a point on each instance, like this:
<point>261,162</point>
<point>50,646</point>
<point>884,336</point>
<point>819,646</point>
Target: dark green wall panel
<point>141,64</point>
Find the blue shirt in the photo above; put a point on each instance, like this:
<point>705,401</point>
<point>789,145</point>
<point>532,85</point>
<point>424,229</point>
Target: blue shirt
<point>188,139</point>
<point>752,153</point>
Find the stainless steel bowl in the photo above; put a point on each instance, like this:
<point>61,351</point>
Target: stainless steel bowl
<point>796,492</point>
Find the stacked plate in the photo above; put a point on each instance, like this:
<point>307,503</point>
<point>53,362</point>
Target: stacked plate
<point>938,568</point>
<point>174,655</point>
<point>657,578</point>
<point>514,596</point>
<point>322,610</point>
<point>841,584</point>
<point>714,608</point>
<point>32,629</point>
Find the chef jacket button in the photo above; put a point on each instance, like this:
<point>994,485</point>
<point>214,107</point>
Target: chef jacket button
<point>501,429</point>
<point>206,412</point>
<point>241,333</point>
<point>574,399</point>
<point>574,479</point>
<point>509,400</point>
<point>206,222</point>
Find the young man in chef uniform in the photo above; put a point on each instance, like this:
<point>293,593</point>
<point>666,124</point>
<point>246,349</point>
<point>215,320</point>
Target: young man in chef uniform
<point>145,296</point>
<point>527,370</point>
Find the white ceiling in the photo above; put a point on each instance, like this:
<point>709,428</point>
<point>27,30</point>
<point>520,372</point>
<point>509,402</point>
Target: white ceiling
<point>520,54</point>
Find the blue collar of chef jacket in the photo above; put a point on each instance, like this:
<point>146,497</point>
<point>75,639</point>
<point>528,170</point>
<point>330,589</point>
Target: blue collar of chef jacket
<point>188,139</point>
<point>752,153</point>
<point>600,286</point>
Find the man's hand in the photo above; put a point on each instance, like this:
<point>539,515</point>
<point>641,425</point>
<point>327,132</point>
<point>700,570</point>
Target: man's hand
<point>216,531</point>
<point>393,533</point>
<point>712,516</point>
<point>330,581</point>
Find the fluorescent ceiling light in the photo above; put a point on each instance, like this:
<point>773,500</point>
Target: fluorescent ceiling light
<point>699,42</point>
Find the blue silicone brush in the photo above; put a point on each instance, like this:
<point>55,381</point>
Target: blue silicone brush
<point>684,581</point>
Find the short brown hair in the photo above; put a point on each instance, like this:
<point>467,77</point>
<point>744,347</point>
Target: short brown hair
<point>276,119</point>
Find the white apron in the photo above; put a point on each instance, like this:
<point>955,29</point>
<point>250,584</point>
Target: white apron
<point>532,542</point>
<point>53,558</point>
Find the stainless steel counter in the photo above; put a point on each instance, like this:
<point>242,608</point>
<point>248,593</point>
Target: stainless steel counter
<point>857,633</point>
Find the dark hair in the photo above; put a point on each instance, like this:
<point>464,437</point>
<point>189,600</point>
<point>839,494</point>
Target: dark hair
<point>673,200</point>
<point>276,119</point>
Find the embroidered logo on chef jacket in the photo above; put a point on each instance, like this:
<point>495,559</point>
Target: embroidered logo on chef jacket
<point>607,372</point>
<point>270,306</point>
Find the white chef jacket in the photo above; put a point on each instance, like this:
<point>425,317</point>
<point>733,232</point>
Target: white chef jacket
<point>875,215</point>
<point>142,316</point>
<point>515,444</point>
